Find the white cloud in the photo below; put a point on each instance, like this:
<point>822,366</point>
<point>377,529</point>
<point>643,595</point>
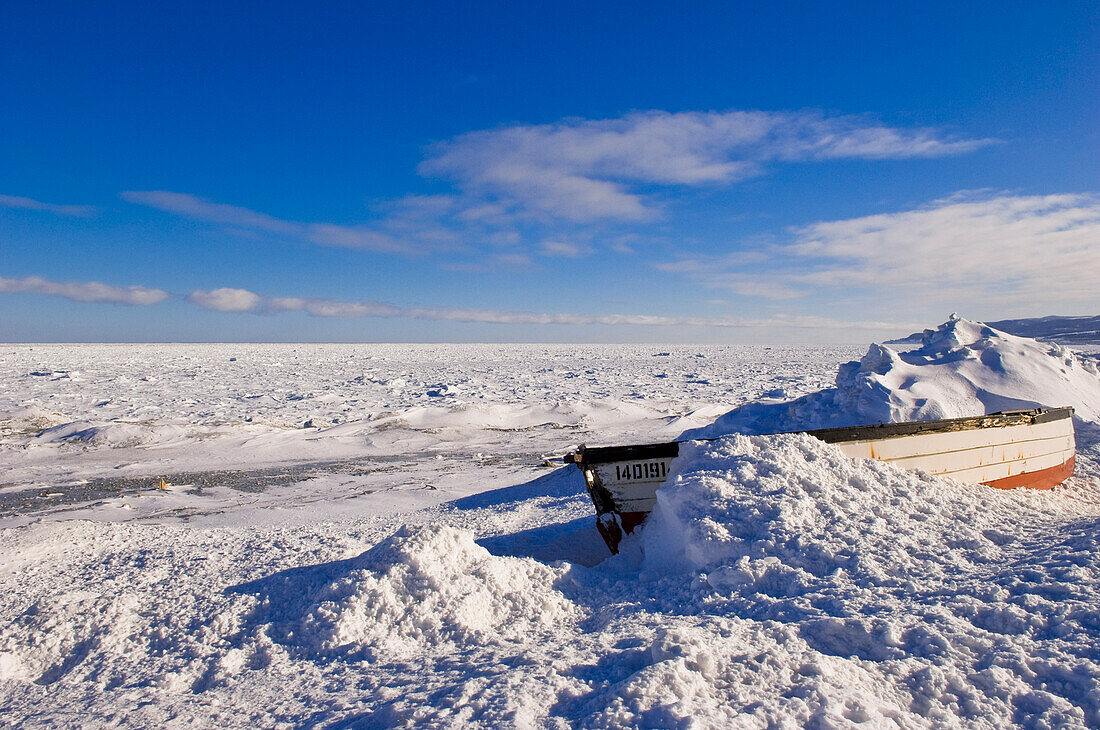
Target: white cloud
<point>526,184</point>
<point>362,237</point>
<point>1044,247</point>
<point>191,206</point>
<point>15,201</point>
<point>491,263</point>
<point>739,273</point>
<point>83,291</point>
<point>242,300</point>
<point>583,170</point>
<point>564,249</point>
<point>323,234</point>
<point>226,300</point>
<point>968,250</point>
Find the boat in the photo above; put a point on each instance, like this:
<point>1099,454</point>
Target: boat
<point>1006,450</point>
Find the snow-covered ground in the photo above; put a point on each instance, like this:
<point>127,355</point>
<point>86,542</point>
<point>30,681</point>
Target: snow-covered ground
<point>371,536</point>
<point>343,429</point>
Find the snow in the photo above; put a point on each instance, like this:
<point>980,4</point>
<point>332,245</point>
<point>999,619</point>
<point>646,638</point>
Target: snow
<point>69,413</point>
<point>961,368</point>
<point>1077,331</point>
<point>957,603</point>
<point>428,588</point>
<point>416,563</point>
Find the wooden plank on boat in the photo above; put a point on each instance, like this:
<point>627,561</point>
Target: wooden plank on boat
<point>1032,416</point>
<point>893,448</point>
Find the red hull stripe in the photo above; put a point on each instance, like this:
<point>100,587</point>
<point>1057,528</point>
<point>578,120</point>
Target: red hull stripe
<point>1042,479</point>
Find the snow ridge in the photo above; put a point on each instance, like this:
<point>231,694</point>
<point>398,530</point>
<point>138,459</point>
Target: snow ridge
<point>961,368</point>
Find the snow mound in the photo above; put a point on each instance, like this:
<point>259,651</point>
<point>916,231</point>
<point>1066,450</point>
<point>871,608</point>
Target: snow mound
<point>26,421</point>
<point>959,603</point>
<point>962,368</point>
<point>110,434</point>
<point>511,417</point>
<point>786,510</point>
<point>432,587</point>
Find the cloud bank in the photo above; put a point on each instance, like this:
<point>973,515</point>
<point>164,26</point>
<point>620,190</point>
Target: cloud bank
<point>585,170</point>
<point>971,251</point>
<point>15,201</point>
<point>83,291</point>
<point>555,177</point>
<point>967,249</point>
<point>242,300</point>
<point>228,299</point>
<point>323,234</point>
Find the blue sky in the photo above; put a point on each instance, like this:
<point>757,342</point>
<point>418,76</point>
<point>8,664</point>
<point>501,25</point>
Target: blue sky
<point>580,172</point>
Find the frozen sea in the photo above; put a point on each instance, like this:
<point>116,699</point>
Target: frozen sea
<point>231,535</point>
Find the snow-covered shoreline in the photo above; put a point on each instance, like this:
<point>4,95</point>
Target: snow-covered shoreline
<point>462,582</point>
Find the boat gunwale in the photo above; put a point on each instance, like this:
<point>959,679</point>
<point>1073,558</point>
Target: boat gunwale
<point>609,454</point>
<point>1001,419</point>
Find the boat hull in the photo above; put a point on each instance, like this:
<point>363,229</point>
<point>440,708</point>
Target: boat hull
<point>1031,449</point>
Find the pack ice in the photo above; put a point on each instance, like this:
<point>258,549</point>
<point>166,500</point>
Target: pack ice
<point>776,584</point>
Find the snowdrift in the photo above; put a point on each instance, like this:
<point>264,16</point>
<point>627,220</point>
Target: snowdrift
<point>888,595</point>
<point>432,588</point>
<point>962,368</point>
<point>754,505</point>
<point>893,597</point>
<point>778,584</point>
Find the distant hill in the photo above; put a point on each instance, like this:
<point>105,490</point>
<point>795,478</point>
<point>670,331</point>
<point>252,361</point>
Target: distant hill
<point>1065,330</point>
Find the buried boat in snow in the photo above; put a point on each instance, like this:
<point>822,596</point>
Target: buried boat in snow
<point>1033,448</point>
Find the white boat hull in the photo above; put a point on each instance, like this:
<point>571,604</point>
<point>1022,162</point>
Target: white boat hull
<point>1033,449</point>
